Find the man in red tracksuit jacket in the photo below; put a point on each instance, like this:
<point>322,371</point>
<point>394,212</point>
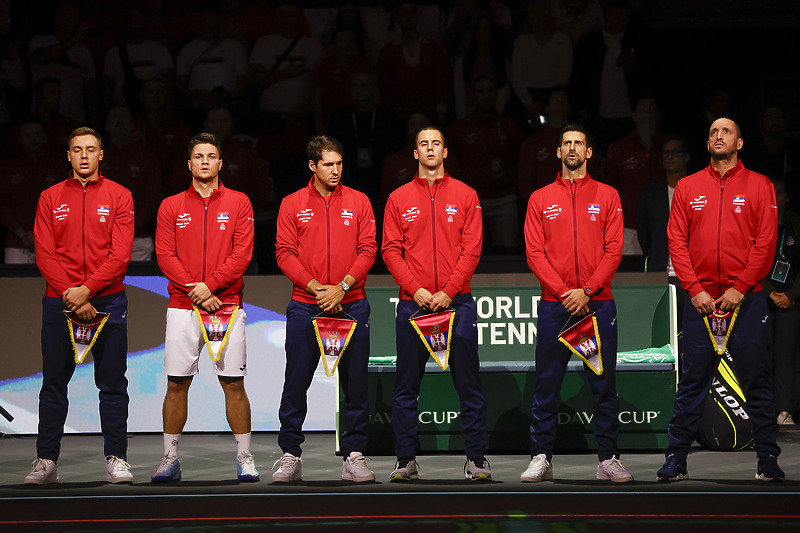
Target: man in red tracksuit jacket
<point>722,233</point>
<point>204,242</point>
<point>573,239</point>
<point>432,236</point>
<point>325,246</point>
<point>84,235</point>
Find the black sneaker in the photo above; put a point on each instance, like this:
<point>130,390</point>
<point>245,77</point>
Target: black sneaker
<point>674,469</point>
<point>478,469</point>
<point>768,469</point>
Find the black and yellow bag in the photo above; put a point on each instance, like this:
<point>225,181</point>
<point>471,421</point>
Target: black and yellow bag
<point>725,424</point>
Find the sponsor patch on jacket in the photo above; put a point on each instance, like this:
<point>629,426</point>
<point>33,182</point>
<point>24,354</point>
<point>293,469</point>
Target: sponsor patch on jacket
<point>183,220</point>
<point>698,203</point>
<point>451,209</point>
<point>305,215</point>
<point>103,210</point>
<point>738,199</point>
<point>61,212</point>
<point>347,215</point>
<point>594,208</point>
<point>223,217</point>
<point>551,212</point>
<point>410,214</point>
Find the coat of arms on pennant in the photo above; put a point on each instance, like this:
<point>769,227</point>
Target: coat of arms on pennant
<point>82,334</point>
<point>333,336</point>
<point>435,330</point>
<point>720,325</point>
<point>215,327</point>
<point>583,339</point>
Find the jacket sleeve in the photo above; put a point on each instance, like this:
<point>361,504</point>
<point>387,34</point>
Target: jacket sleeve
<point>366,248</point>
<point>234,266</point>
<point>762,252</point>
<point>46,259</point>
<point>535,252</point>
<point>121,246</point>
<point>678,235</point>
<point>392,250</point>
<point>167,250</point>
<point>287,247</point>
<point>612,245</point>
<point>471,243</point>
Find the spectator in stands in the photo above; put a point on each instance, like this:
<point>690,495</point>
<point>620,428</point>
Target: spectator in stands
<point>63,56</point>
<point>12,81</point>
<point>486,145</point>
<point>412,71</point>
<point>348,17</point>
<point>25,175</point>
<point>368,132</point>
<point>774,154</point>
<point>46,108</point>
<point>782,289</point>
<point>577,17</point>
<point>134,60</point>
<point>541,61</point>
<point>633,162</point>
<point>655,200</point>
<point>486,55</point>
<point>209,70</point>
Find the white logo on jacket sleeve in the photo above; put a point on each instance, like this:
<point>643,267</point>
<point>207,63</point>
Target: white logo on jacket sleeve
<point>410,214</point>
<point>183,220</point>
<point>305,215</point>
<point>551,212</point>
<point>61,212</point>
<point>698,203</point>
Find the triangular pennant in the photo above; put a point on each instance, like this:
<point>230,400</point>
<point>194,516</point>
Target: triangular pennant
<point>583,339</point>
<point>720,325</point>
<point>434,330</point>
<point>82,335</point>
<point>215,327</point>
<point>333,336</point>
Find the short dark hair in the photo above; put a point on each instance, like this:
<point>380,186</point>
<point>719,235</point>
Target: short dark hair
<point>84,130</point>
<point>431,127</point>
<point>574,126</point>
<point>204,138</point>
<point>322,143</point>
<point>676,137</point>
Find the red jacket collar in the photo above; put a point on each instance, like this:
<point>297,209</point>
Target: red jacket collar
<point>74,181</point>
<point>578,183</point>
<point>729,174</point>
<point>313,190</point>
<point>423,182</point>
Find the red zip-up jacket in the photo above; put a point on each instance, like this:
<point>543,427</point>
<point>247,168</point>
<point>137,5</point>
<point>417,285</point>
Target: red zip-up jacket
<point>722,231</point>
<point>84,236</point>
<point>573,237</point>
<point>213,244</point>
<point>432,236</point>
<point>326,238</point>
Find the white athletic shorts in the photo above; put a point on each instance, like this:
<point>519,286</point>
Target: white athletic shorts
<point>184,346</point>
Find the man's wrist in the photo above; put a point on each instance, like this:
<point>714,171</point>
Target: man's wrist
<point>344,285</point>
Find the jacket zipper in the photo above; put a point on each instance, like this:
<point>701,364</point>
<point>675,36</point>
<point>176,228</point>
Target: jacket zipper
<point>205,231</point>
<point>719,237</point>
<point>573,188</point>
<point>83,232</point>
<point>433,233</point>
<point>328,240</point>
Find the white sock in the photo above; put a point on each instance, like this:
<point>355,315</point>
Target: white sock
<point>242,442</point>
<point>171,441</point>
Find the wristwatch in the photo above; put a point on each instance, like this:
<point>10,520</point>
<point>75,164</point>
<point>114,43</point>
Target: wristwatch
<point>588,291</point>
<point>345,287</point>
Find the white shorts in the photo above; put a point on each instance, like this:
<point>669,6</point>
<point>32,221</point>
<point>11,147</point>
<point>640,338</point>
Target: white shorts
<point>184,345</point>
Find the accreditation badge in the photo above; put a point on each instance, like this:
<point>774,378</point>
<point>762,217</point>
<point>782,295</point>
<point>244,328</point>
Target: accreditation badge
<point>333,336</point>
<point>583,339</point>
<point>215,327</point>
<point>719,325</point>
<point>82,335</point>
<point>434,330</point>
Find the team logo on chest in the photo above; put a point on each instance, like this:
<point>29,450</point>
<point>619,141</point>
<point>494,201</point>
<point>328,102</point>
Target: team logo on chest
<point>347,216</point>
<point>552,212</point>
<point>305,215</point>
<point>222,219</point>
<point>410,214</point>
<point>183,220</point>
<point>594,211</point>
<point>698,203</point>
<point>61,212</point>
<point>103,211</point>
<point>451,210</point>
<point>738,202</point>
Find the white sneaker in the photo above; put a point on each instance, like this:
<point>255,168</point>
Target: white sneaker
<point>44,471</point>
<point>354,468</point>
<point>291,469</point>
<point>246,468</point>
<point>785,419</point>
<point>612,469</point>
<point>539,469</point>
<point>169,470</point>
<point>118,470</point>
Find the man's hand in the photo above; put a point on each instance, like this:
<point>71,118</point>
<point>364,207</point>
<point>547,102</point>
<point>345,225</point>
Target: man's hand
<point>329,297</point>
<point>423,298</point>
<point>440,301</point>
<point>75,297</point>
<point>703,302</point>
<point>729,300</point>
<point>86,312</point>
<point>200,292</point>
<point>780,300</point>
<point>574,301</point>
<point>312,287</point>
<point>212,305</point>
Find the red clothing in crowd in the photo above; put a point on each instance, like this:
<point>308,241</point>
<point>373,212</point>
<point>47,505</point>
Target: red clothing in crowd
<point>334,80</point>
<point>629,167</point>
<point>326,238</point>
<point>573,237</point>
<point>432,236</point>
<point>168,140</point>
<point>722,231</point>
<point>405,88</point>
<point>209,242</point>
<point>84,236</point>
